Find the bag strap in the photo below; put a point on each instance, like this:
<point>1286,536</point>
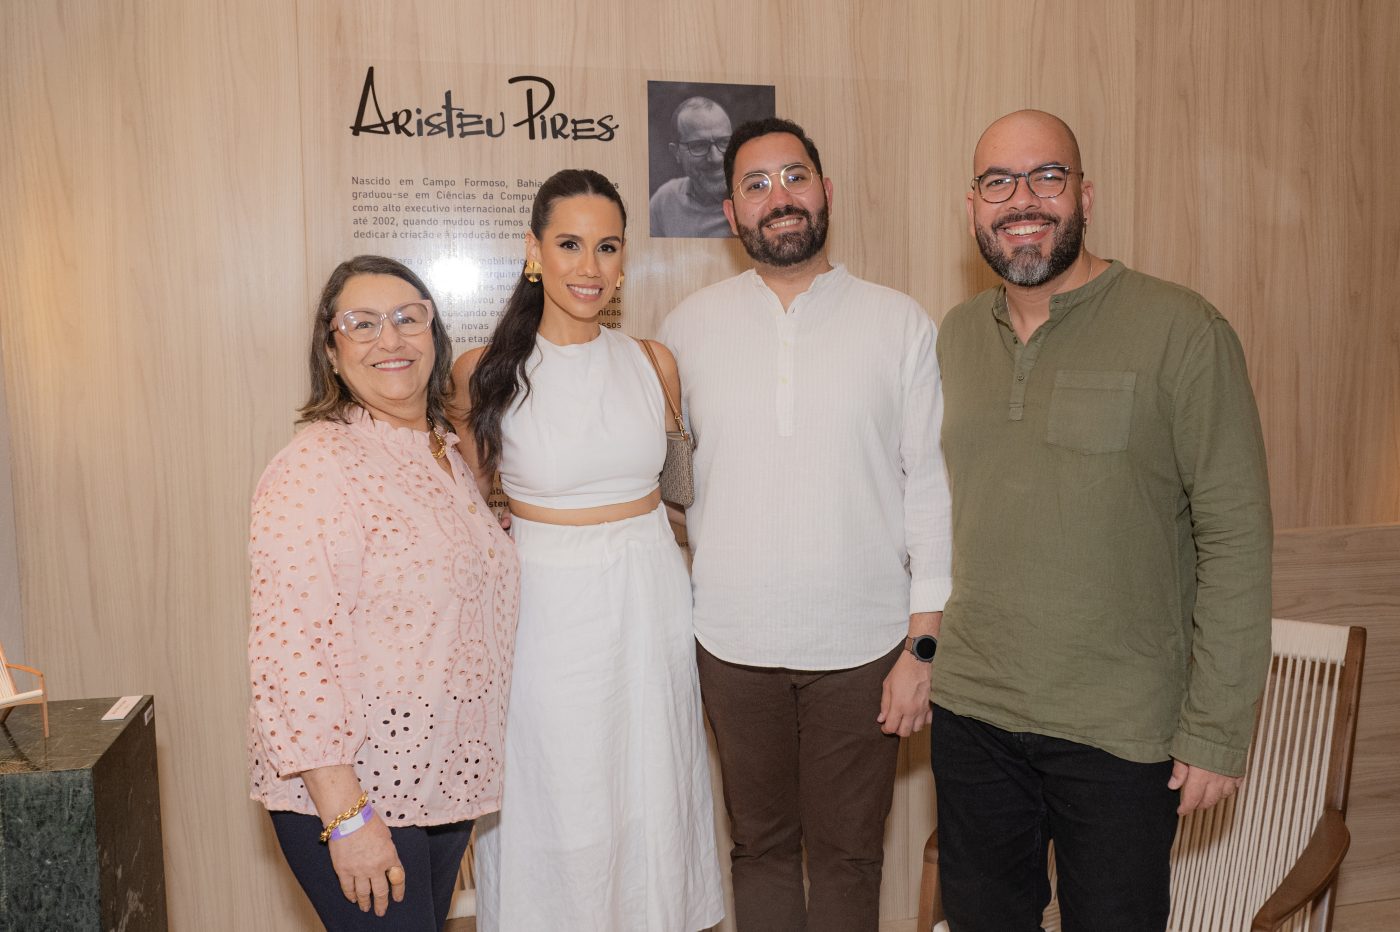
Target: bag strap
<point>666,392</point>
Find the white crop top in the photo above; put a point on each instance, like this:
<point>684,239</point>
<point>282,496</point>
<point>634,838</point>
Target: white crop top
<point>591,432</point>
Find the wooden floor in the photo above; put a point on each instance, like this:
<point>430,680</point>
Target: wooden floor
<point>1383,916</point>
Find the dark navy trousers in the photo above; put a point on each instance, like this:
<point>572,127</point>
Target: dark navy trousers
<point>430,857</point>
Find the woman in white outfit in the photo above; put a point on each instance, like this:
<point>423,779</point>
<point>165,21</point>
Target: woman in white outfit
<point>607,821</point>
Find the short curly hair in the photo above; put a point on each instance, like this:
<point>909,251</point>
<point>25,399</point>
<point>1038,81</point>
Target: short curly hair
<point>764,127</point>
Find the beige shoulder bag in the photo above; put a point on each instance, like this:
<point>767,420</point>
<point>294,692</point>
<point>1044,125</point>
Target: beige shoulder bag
<point>678,472</point>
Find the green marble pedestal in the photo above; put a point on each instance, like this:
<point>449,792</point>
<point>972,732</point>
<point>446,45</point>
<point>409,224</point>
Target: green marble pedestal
<point>80,843</point>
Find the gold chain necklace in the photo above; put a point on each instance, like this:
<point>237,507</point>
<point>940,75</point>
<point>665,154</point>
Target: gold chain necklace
<point>441,451</point>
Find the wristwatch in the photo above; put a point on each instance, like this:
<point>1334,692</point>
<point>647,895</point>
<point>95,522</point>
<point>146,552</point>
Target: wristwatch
<point>922,647</point>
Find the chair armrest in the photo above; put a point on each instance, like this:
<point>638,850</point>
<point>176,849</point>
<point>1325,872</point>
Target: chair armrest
<point>930,896</point>
<point>27,669</point>
<point>931,848</point>
<point>1315,869</point>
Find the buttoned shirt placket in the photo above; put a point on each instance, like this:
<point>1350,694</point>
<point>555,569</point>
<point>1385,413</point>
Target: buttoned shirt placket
<point>1024,356</point>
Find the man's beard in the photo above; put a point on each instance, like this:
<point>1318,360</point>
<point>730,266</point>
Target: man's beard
<point>708,188</point>
<point>1025,266</point>
<point>791,248</point>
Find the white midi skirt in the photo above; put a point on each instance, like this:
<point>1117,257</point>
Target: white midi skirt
<point>606,818</point>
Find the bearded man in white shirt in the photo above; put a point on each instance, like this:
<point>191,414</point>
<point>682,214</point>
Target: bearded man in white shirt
<point>820,533</point>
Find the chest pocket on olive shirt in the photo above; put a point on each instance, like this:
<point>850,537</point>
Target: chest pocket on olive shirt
<point>1091,412</point>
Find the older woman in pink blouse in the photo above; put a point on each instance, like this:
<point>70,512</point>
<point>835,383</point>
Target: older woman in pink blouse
<point>384,600</point>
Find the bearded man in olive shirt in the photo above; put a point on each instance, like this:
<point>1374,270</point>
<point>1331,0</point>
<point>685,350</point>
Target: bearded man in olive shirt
<point>1107,637</point>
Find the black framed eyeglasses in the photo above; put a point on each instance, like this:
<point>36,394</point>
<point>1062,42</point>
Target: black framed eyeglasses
<point>699,148</point>
<point>1044,181</point>
<point>363,325</point>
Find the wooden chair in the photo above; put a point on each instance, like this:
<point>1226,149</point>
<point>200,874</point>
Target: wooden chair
<point>1261,858</point>
<point>10,697</point>
<point>464,891</point>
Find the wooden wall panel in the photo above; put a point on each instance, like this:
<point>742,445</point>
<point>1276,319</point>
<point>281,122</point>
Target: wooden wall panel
<point>1351,576</point>
<point>1368,461</point>
<point>152,272</point>
<point>11,620</point>
<point>166,191</point>
<point>1246,193</point>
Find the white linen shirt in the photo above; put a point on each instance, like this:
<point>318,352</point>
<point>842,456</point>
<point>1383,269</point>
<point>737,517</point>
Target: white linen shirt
<point>821,515</point>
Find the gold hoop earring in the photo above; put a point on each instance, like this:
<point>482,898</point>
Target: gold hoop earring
<point>621,277</point>
<point>532,270</point>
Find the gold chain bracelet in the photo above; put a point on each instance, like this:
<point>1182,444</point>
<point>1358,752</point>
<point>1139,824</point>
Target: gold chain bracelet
<point>347,814</point>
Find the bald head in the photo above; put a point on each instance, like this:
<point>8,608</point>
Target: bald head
<point>1028,199</point>
<point>697,112</point>
<point>702,131</point>
<point>1022,131</point>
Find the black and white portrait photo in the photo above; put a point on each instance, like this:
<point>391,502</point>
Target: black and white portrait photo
<point>689,124</point>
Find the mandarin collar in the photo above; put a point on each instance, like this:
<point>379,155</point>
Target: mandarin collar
<point>1061,304</point>
<point>823,282</point>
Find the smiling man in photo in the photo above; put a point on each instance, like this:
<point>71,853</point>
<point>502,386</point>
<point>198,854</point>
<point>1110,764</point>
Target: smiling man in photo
<point>692,205</point>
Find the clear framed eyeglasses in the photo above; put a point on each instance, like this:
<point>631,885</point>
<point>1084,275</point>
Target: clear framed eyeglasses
<point>363,325</point>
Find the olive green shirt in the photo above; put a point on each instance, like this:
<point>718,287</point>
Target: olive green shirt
<point>1111,528</point>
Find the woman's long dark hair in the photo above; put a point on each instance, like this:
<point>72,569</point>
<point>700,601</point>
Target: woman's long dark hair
<point>501,375</point>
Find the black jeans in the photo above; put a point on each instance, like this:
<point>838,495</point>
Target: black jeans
<point>1002,796</point>
<point>430,857</point>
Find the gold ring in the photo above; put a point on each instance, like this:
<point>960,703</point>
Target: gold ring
<point>396,869</point>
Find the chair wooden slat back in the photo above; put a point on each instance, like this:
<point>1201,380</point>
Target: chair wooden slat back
<point>1228,860</point>
<point>7,682</point>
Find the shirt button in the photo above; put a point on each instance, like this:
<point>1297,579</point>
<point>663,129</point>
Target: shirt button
<point>472,508</point>
<point>491,552</point>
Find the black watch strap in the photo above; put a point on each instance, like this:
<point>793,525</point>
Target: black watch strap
<point>922,647</point>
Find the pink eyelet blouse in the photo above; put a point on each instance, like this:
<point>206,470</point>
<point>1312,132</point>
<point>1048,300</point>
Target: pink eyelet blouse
<point>384,598</point>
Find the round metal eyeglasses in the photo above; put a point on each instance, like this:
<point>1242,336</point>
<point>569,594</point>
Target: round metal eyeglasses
<point>363,325</point>
<point>995,186</point>
<point>756,187</point>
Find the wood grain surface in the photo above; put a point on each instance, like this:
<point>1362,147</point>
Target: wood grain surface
<point>169,178</point>
<point>1351,576</point>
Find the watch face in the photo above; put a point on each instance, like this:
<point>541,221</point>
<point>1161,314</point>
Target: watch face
<point>924,647</point>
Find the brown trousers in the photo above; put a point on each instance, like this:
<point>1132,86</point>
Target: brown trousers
<point>803,762</point>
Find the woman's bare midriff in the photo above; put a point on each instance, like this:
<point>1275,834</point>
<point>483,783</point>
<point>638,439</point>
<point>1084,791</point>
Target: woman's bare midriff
<point>578,517</point>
